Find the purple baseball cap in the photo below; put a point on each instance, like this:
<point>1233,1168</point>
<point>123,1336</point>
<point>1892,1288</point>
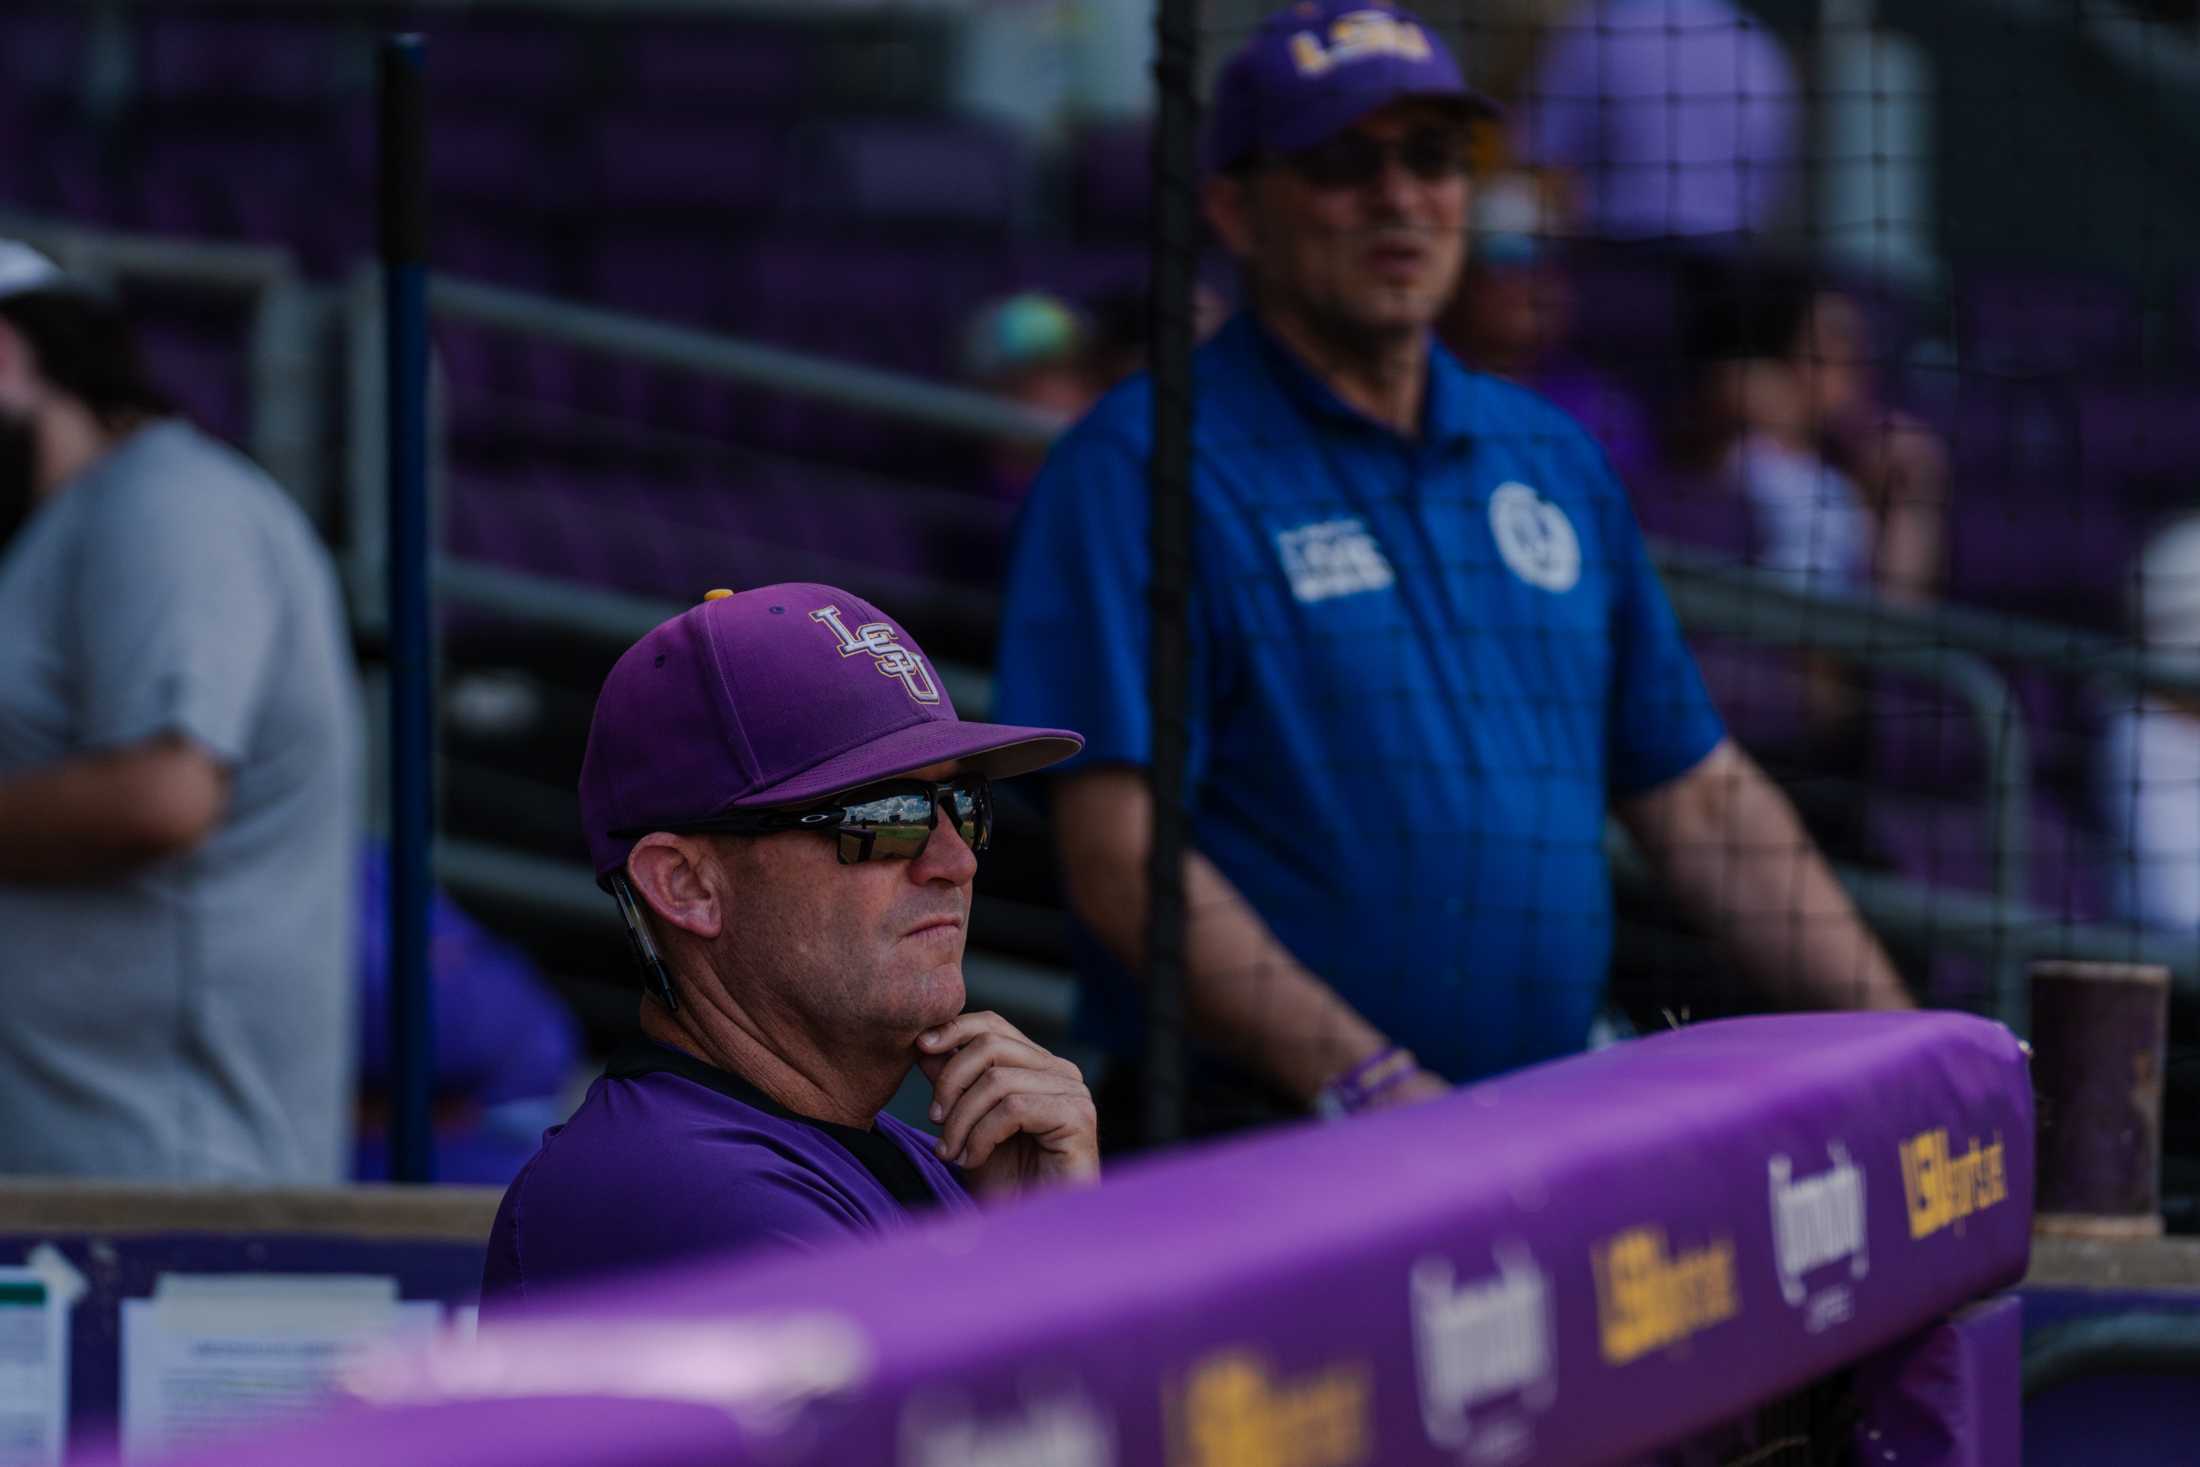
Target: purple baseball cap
<point>1318,67</point>
<point>777,696</point>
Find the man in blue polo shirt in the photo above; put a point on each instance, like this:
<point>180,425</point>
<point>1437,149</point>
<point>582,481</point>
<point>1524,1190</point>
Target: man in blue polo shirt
<point>1428,650</point>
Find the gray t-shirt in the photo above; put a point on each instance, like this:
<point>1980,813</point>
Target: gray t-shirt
<point>193,1019</point>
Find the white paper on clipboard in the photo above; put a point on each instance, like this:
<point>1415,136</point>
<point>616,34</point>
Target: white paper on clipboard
<point>34,1368</point>
<point>212,1354</point>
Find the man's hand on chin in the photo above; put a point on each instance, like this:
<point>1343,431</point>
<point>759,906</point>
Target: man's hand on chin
<point>1011,1115</point>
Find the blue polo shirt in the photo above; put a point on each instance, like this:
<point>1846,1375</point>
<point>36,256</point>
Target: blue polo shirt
<point>1421,669</point>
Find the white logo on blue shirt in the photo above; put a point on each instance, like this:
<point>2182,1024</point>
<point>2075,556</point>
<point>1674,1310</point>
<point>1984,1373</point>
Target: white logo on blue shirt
<point>1535,537</point>
<point>1333,558</point>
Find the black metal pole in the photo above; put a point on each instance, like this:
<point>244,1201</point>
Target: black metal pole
<point>404,248</point>
<point>1175,263</point>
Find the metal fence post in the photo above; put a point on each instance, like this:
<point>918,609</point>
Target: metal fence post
<point>1175,245</point>
<point>411,652</point>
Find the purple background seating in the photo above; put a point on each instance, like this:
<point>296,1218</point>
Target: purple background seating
<point>712,172</point>
<point>1111,174</point>
<point>1942,842</point>
<point>292,59</point>
<point>2017,320</point>
<point>681,164</point>
<point>687,277</point>
<point>754,69</point>
<point>967,174</point>
<point>2139,428</point>
<point>520,60</point>
<point>42,56</point>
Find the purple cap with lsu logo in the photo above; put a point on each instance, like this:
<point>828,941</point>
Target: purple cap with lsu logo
<point>1316,68</point>
<point>777,696</point>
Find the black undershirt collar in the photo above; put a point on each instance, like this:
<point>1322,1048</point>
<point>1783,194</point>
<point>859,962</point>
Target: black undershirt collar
<point>877,1152</point>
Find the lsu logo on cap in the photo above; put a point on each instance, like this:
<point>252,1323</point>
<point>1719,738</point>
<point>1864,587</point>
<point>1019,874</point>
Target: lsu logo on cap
<point>1357,36</point>
<point>879,639</point>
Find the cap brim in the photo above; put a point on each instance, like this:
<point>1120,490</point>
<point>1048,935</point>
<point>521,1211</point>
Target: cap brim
<point>1318,123</point>
<point>996,750</point>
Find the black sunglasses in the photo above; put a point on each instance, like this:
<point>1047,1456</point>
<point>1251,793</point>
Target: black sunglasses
<point>895,818</point>
<point>1354,160</point>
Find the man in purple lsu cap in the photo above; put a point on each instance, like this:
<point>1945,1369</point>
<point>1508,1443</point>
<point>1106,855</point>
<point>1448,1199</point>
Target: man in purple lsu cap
<point>788,812</point>
<point>1430,654</point>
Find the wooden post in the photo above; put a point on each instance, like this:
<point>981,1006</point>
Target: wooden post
<point>2099,1036</point>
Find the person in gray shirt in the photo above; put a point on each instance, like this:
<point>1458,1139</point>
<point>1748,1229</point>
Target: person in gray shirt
<point>179,799</point>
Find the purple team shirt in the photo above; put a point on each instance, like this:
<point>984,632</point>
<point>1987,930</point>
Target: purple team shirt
<point>669,1158</point>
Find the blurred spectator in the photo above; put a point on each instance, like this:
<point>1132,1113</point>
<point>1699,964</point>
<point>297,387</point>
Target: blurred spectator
<point>1843,492</point>
<point>1514,306</point>
<point>178,779</point>
<point>1031,350</point>
<point>1514,311</point>
<point>2148,768</point>
<point>504,1043</point>
<point>1040,351</point>
<point>1428,654</point>
<point>1667,119</point>
<point>1121,340</point>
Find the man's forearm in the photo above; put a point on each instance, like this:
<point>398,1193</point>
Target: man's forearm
<point>97,816</point>
<point>1246,995</point>
<point>1252,998</point>
<point>1733,851</point>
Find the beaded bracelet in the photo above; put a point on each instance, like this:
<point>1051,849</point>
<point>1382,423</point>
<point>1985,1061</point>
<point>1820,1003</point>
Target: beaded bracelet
<point>1357,1088</point>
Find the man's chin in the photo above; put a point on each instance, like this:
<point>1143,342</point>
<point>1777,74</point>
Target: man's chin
<point>1400,313</point>
<point>936,995</point>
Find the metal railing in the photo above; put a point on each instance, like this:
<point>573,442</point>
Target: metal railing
<point>635,338</point>
<point>1710,601</point>
<point>2120,1344</point>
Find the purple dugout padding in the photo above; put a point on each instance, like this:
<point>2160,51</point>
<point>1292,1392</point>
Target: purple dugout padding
<point>1950,1396</point>
<point>1577,1263</point>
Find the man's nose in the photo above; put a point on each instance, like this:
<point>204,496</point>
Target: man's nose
<point>946,856</point>
<point>1393,190</point>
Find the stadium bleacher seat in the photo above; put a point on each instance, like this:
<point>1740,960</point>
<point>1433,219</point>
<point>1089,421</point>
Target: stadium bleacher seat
<point>732,171</point>
<point>2028,320</point>
<point>685,276</point>
<point>42,56</point>
<point>950,173</point>
<point>1078,271</point>
<point>1942,842</point>
<point>521,61</point>
<point>1111,178</point>
<point>2138,428</point>
<point>193,354</point>
<point>295,59</point>
<point>885,303</point>
<point>756,69</point>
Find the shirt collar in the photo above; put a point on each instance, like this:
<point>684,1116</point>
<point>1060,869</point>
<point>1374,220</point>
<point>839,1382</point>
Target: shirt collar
<point>1446,410</point>
<point>648,1057</point>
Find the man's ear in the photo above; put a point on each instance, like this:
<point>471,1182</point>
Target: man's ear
<point>1228,202</point>
<point>18,368</point>
<point>675,876</point>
